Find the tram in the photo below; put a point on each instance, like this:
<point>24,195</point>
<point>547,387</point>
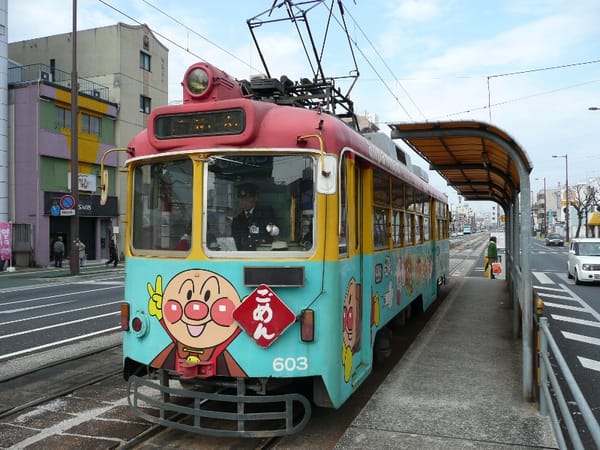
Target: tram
<point>269,247</point>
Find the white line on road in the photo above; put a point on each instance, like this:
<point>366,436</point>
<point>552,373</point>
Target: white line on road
<point>577,321</point>
<point>543,278</point>
<point>37,330</point>
<point>589,363</point>
<point>567,307</point>
<point>561,297</point>
<point>581,338</point>
<point>546,288</point>
<point>54,344</point>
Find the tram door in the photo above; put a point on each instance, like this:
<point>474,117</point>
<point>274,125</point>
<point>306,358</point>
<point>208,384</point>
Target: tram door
<point>357,354</point>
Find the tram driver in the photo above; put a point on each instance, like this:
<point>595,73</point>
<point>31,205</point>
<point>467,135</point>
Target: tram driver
<point>255,223</point>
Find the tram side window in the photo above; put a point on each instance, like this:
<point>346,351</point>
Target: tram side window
<point>426,230</point>
<point>418,221</point>
<point>162,205</point>
<point>380,238</point>
<point>398,205</point>
<point>409,228</point>
<point>343,228</point>
<point>382,202</point>
<point>397,217</point>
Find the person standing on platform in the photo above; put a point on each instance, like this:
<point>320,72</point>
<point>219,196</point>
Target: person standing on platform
<point>492,255</point>
<point>59,251</point>
<point>81,248</point>
<point>112,251</point>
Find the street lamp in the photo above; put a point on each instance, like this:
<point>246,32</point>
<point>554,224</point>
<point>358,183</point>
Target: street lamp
<point>567,222</point>
<point>545,222</point>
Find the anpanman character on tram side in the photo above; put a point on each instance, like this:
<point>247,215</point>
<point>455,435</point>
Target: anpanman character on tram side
<point>352,318</point>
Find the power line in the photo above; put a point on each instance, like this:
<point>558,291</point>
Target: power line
<point>353,41</point>
<point>388,68</point>
<point>539,94</point>
<point>522,72</point>
<point>200,36</point>
<point>158,33</point>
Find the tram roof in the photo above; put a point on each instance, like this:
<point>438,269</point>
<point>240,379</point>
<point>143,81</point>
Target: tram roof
<point>477,159</point>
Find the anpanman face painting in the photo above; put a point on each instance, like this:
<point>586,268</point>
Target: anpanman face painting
<point>351,314</point>
<point>197,308</point>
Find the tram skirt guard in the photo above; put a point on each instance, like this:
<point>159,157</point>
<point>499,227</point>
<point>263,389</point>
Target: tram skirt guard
<point>145,395</point>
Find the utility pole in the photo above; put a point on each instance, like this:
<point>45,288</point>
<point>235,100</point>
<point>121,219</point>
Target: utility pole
<point>74,233</point>
<point>567,198</point>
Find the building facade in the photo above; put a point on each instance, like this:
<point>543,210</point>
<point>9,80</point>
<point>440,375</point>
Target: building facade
<point>123,74</point>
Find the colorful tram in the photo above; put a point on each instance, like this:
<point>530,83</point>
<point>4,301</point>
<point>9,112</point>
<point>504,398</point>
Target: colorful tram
<point>269,247</point>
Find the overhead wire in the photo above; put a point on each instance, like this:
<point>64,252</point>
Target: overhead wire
<point>521,72</point>
<point>214,44</point>
<point>517,99</point>
<point>396,79</point>
<point>354,41</point>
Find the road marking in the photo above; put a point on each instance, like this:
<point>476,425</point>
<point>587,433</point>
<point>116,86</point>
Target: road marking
<point>577,321</point>
<point>543,278</point>
<point>581,338</point>
<point>567,307</point>
<point>589,363</point>
<point>54,344</point>
<point>62,324</point>
<point>561,297</point>
<point>547,288</point>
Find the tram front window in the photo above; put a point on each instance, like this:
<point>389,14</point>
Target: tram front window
<point>162,206</point>
<point>259,203</point>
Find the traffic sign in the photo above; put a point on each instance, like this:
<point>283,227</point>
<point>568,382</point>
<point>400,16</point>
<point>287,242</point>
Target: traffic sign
<point>67,201</point>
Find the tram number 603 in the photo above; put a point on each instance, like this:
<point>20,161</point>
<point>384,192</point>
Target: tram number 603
<point>290,364</point>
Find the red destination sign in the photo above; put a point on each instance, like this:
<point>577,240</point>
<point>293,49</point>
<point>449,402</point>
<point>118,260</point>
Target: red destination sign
<point>264,316</point>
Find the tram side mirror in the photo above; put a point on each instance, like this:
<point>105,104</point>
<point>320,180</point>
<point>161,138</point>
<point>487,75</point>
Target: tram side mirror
<point>104,188</point>
<point>326,174</point>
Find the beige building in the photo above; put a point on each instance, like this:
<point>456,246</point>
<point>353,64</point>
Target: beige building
<point>127,59</point>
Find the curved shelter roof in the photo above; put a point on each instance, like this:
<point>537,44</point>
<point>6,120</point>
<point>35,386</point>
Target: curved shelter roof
<point>477,159</point>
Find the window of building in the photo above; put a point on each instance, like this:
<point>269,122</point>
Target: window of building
<point>145,61</point>
<point>62,118</point>
<point>90,124</point>
<point>145,104</point>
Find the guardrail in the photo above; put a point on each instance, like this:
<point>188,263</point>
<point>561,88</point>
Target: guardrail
<point>549,380</point>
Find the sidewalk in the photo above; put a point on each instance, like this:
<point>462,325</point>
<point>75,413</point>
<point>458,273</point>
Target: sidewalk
<point>459,385</point>
<point>27,276</point>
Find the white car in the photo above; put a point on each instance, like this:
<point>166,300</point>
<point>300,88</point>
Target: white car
<point>583,263</point>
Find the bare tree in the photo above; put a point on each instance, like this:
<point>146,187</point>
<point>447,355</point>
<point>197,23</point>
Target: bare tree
<point>587,196</point>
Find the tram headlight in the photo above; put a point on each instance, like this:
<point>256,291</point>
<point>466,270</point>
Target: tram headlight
<point>197,81</point>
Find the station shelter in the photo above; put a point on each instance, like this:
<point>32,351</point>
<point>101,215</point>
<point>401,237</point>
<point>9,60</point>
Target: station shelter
<point>482,162</point>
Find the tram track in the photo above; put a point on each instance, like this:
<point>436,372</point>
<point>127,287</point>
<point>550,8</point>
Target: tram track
<point>464,249</point>
<point>51,379</point>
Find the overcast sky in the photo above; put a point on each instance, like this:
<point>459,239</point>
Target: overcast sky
<point>535,62</point>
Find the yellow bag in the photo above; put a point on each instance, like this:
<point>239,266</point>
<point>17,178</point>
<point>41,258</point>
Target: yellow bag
<point>486,267</point>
